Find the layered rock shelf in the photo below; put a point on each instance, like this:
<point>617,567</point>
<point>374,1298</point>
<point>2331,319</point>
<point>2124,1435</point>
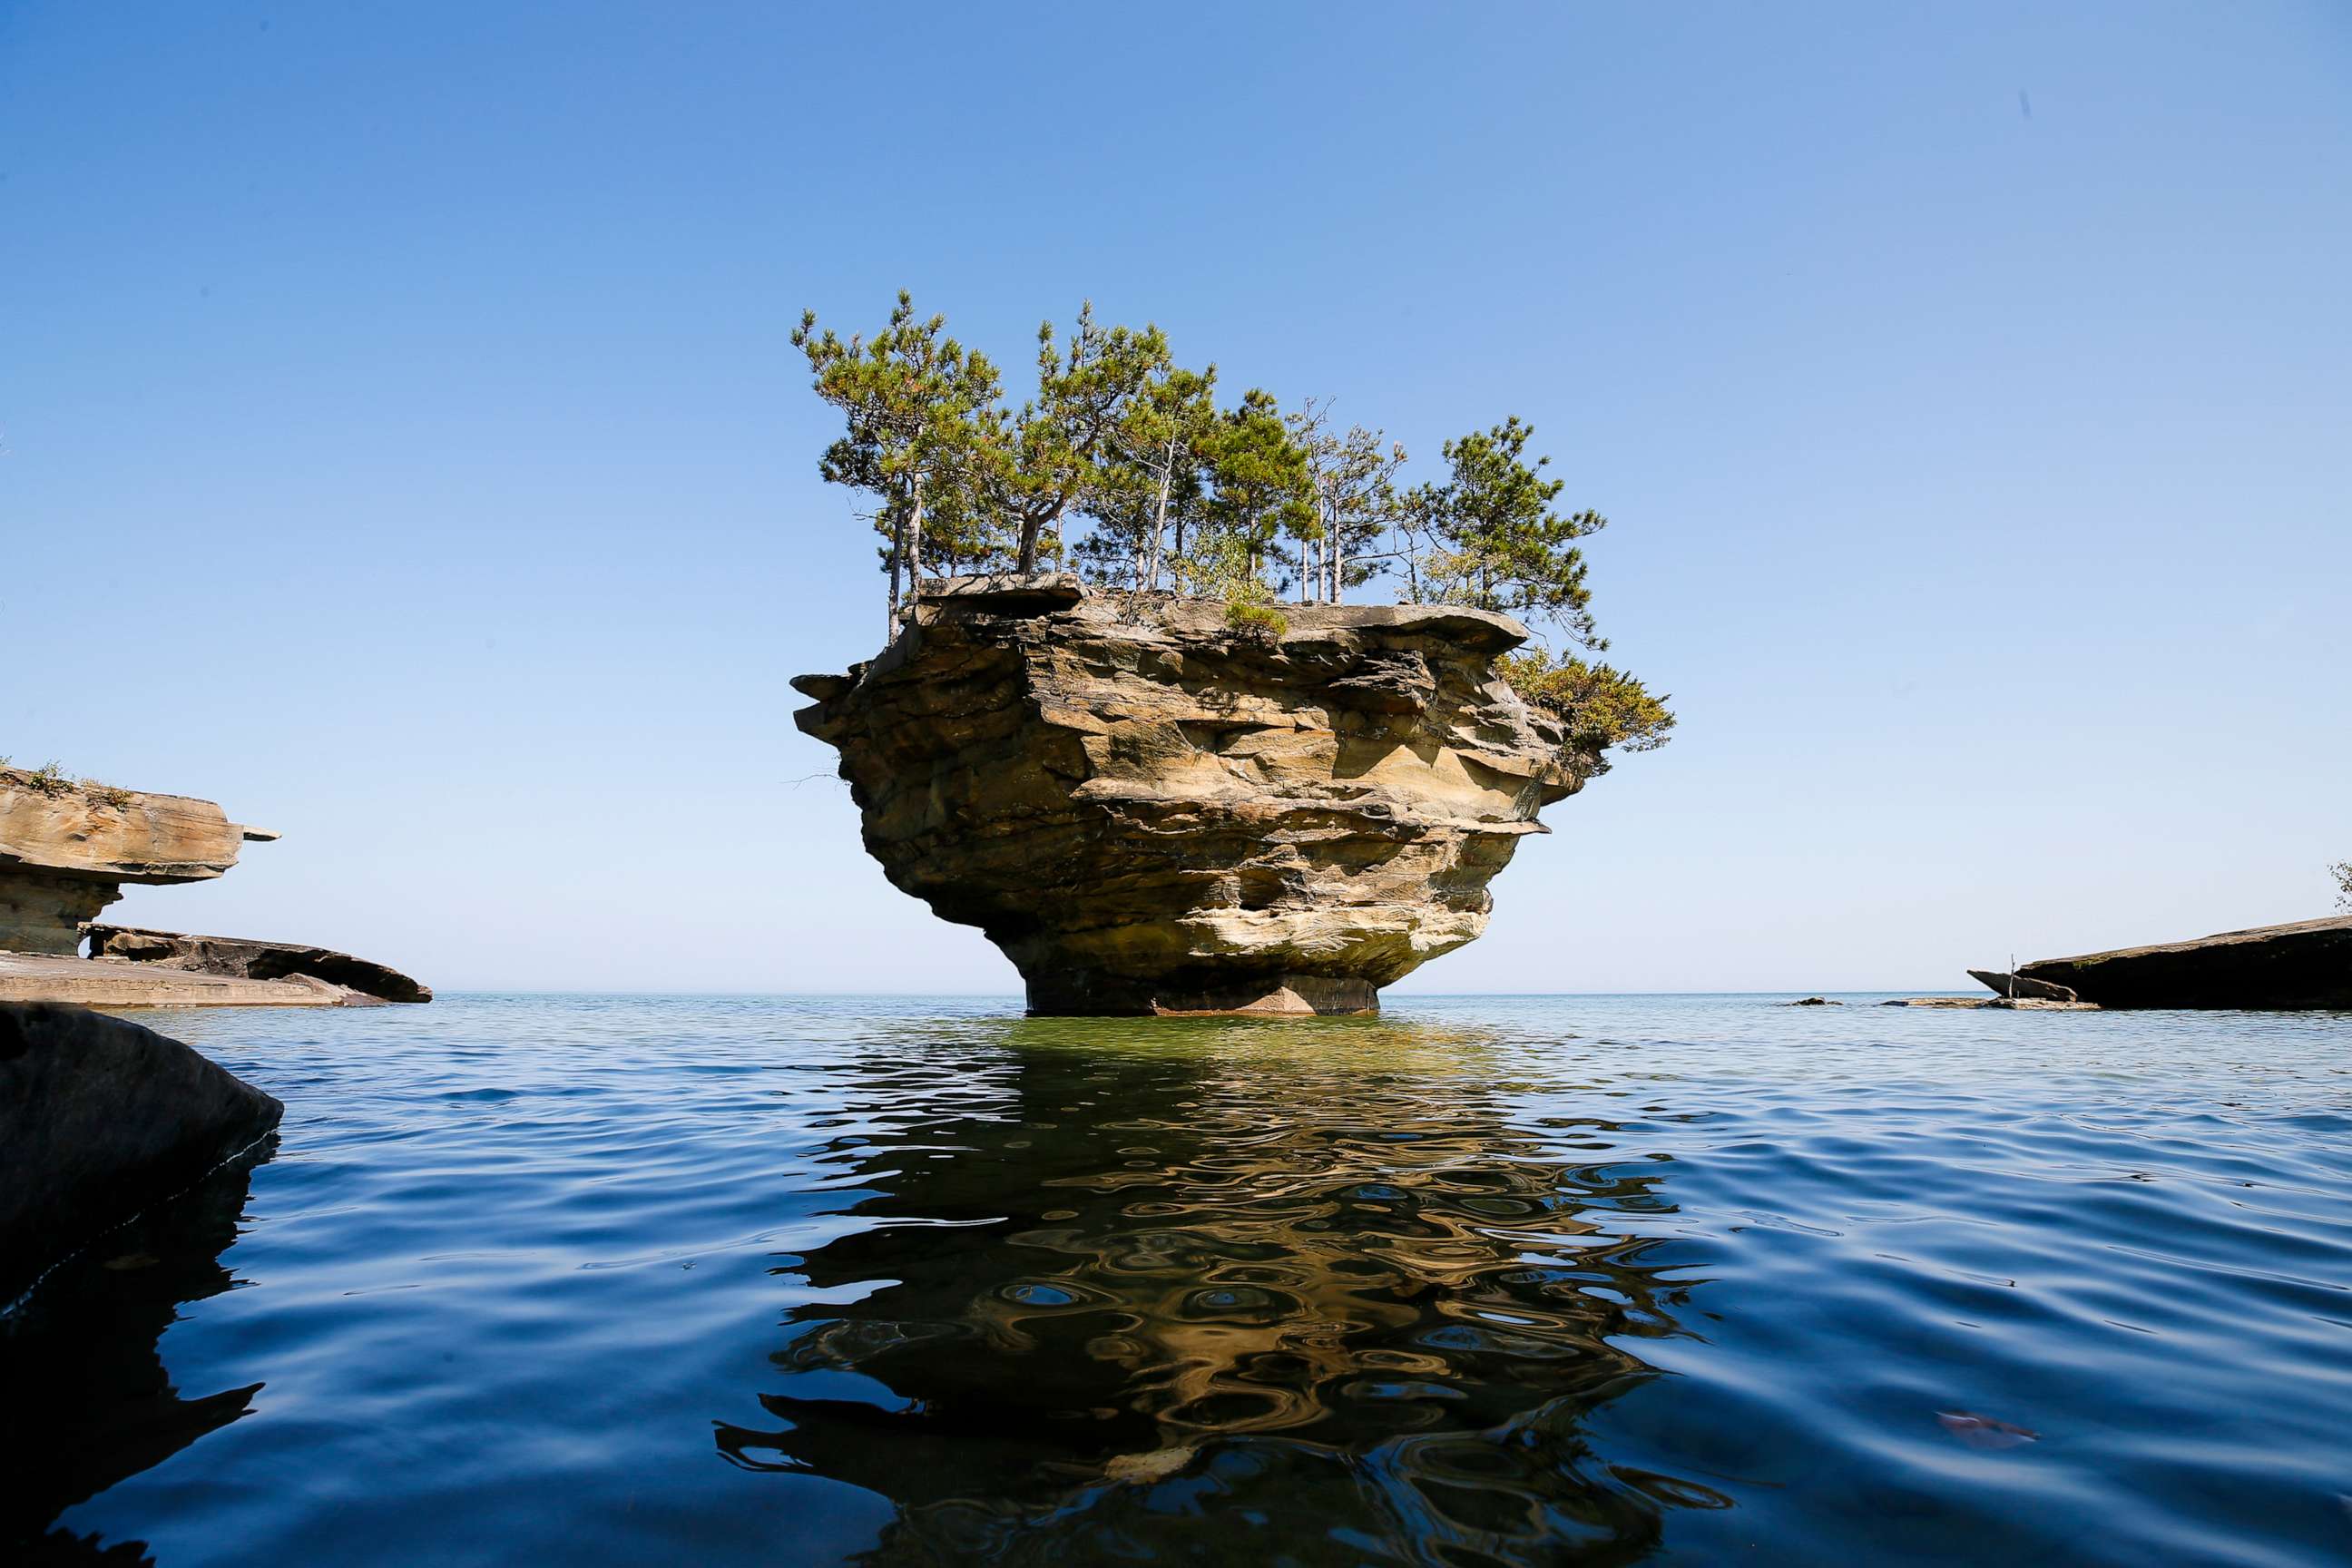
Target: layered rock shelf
<point>1151,810</point>
<point>67,850</point>
<point>245,958</point>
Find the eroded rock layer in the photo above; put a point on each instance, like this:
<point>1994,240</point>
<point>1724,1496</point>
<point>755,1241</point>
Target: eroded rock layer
<point>246,958</point>
<point>1151,810</point>
<point>67,848</point>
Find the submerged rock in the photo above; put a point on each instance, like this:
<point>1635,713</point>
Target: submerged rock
<point>2308,964</point>
<point>99,1118</point>
<point>248,959</point>
<point>1153,811</point>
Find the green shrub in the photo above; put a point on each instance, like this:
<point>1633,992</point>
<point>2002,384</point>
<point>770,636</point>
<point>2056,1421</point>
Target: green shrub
<point>1263,623</point>
<point>1602,707</point>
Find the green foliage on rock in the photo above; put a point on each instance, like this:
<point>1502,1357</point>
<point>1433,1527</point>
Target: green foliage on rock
<point>1602,707</point>
<point>1254,618</point>
<point>1123,464</point>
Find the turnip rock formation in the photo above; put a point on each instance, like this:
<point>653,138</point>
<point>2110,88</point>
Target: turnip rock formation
<point>1152,810</point>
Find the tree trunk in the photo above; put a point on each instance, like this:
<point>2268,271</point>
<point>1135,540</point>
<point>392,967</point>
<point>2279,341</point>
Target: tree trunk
<point>1160,519</point>
<point>915,546</point>
<point>898,554</point>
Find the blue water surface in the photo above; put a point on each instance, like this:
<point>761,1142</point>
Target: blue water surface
<point>592,1280</point>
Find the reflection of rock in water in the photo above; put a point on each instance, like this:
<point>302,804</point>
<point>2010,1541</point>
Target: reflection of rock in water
<point>90,1401</point>
<point>1208,1297</point>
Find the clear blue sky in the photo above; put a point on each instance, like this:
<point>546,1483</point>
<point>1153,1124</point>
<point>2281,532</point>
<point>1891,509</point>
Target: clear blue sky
<point>403,445</point>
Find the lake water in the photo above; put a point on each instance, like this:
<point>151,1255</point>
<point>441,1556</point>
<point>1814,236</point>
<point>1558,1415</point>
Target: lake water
<point>1605,1280</point>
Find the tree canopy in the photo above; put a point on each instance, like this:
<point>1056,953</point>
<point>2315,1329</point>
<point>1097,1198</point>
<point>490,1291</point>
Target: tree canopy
<point>1123,464</point>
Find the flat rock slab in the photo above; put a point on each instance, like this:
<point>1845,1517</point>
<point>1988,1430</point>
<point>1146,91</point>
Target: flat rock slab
<point>2003,984</point>
<point>248,958</point>
<point>2006,1004</point>
<point>100,1118</point>
<point>2305,965</point>
<point>118,983</point>
<point>66,849</point>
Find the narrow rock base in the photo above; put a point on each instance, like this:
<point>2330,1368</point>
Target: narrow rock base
<point>44,913</point>
<point>1078,995</point>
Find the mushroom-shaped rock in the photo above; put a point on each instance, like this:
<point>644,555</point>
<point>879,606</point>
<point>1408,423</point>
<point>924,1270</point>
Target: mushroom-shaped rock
<point>67,848</point>
<point>1150,809</point>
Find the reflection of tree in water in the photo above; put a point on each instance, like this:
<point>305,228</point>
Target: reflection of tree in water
<point>1219,1289</point>
<point>89,1403</point>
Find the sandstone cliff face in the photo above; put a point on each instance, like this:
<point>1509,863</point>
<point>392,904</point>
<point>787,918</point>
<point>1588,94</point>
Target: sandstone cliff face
<point>66,851</point>
<point>1150,811</point>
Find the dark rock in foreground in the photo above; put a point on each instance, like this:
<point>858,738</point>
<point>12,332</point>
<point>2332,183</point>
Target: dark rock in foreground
<point>247,959</point>
<point>99,1118</point>
<point>2003,984</point>
<point>1153,811</point>
<point>2308,964</point>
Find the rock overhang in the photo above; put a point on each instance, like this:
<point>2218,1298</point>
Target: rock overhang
<point>1144,805</point>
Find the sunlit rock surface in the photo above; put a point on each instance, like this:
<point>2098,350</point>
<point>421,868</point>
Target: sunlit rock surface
<point>67,848</point>
<point>1152,811</point>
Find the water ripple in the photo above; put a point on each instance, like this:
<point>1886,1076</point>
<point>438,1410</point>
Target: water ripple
<point>608,1279</point>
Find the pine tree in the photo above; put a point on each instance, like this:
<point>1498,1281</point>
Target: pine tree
<point>917,403</point>
<point>1154,458</point>
<point>1353,480</point>
<point>1260,490</point>
<point>1046,459</point>
<point>1494,541</point>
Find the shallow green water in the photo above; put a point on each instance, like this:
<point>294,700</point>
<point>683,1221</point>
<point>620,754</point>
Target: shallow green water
<point>583,1280</point>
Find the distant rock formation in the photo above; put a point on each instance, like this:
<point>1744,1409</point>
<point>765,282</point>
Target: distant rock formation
<point>66,851</point>
<point>2308,964</point>
<point>67,848</point>
<point>99,1118</point>
<point>244,958</point>
<point>1153,811</point>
